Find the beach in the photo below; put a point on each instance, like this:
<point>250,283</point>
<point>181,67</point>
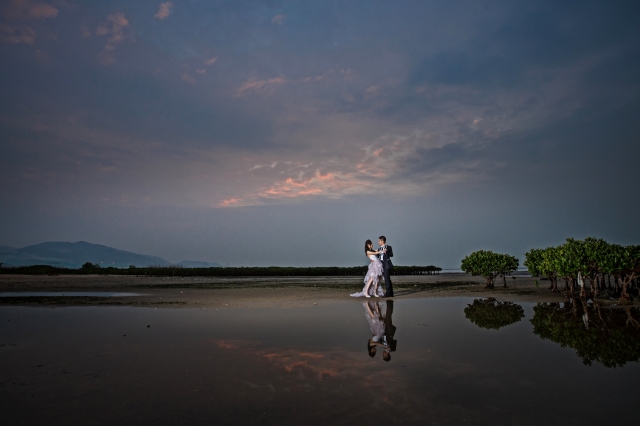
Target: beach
<point>258,292</point>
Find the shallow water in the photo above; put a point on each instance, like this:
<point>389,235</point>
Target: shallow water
<point>69,294</point>
<point>108,365</point>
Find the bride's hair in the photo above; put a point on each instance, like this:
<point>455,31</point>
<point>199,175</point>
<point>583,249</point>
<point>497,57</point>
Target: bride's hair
<point>366,245</point>
<point>371,349</point>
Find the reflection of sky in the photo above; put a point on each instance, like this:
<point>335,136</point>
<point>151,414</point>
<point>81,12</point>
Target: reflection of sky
<point>171,126</point>
<point>291,364</point>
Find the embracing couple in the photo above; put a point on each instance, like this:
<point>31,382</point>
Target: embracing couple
<point>380,266</point>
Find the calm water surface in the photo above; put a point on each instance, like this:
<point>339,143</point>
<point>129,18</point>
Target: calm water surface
<point>119,365</point>
<point>69,294</point>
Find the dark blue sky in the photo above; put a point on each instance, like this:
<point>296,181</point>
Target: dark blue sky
<point>287,133</point>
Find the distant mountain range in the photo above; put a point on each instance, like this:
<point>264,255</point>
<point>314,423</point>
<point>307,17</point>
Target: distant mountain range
<point>73,255</point>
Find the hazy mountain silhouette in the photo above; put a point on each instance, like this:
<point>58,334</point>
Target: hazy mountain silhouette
<point>73,255</point>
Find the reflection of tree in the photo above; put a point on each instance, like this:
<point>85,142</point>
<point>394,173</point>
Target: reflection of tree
<point>608,336</point>
<point>493,314</point>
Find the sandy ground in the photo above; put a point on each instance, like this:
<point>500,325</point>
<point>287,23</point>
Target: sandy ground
<point>220,293</point>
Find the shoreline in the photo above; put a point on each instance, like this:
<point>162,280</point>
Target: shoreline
<point>259,292</point>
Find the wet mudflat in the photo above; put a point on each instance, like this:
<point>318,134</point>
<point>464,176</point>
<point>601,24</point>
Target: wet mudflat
<point>450,361</point>
<point>69,294</point>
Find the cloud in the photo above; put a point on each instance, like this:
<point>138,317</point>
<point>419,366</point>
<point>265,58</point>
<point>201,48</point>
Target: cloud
<point>449,142</point>
<point>42,56</point>
<point>232,202</point>
<point>347,74</point>
<point>253,84</point>
<point>371,91</point>
<point>278,19</point>
<point>316,78</point>
<point>211,61</point>
<point>259,166</point>
<point>27,10</point>
<point>390,165</point>
<point>114,30</point>
<point>85,32</point>
<point>257,85</point>
<point>163,10</point>
<point>186,77</point>
<point>14,34</point>
<point>14,11</point>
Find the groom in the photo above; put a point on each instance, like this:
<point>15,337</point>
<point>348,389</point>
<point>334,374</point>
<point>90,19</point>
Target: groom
<point>387,266</point>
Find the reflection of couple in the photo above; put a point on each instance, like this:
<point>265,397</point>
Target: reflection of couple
<point>382,328</point>
<point>379,266</point>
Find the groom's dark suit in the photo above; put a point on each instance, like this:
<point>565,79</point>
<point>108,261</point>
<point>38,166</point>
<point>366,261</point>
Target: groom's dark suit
<point>389,328</point>
<point>387,266</point>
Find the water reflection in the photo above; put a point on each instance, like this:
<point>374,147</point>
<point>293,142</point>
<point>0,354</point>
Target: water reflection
<point>382,328</point>
<point>294,366</point>
<point>493,314</point>
<point>610,336</point>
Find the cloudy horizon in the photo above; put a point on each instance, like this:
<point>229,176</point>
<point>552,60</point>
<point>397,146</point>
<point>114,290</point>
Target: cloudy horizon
<point>279,133</point>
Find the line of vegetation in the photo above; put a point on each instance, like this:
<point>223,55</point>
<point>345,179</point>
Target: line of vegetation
<point>591,260</point>
<point>176,271</point>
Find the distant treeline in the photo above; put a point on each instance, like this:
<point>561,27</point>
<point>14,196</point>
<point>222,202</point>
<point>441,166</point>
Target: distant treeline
<point>171,271</point>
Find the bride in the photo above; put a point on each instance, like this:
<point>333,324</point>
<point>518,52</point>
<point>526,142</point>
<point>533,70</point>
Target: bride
<point>372,279</point>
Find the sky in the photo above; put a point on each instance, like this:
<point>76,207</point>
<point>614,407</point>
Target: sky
<point>289,132</point>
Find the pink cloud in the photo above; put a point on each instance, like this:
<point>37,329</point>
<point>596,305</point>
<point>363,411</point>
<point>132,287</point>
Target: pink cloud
<point>259,84</point>
<point>328,184</point>
<point>163,10</point>
<point>27,10</point>
<point>211,61</point>
<point>232,202</point>
<point>114,30</point>
<point>313,79</point>
<point>22,34</point>
<point>22,10</point>
<point>226,344</point>
<point>186,77</point>
<point>85,31</point>
<point>42,56</point>
<point>347,74</point>
<point>372,90</point>
<point>376,168</point>
<point>278,19</point>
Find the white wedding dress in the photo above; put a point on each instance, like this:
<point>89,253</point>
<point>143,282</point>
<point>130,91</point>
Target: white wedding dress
<point>376,324</point>
<point>375,271</point>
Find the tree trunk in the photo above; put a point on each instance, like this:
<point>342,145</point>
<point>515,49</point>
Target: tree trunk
<point>624,295</point>
<point>630,319</point>
<point>488,285</point>
<point>572,288</point>
<point>504,281</point>
<point>595,289</point>
<point>625,283</point>
<point>554,281</point>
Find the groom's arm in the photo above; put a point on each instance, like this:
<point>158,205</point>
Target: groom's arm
<point>389,251</point>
